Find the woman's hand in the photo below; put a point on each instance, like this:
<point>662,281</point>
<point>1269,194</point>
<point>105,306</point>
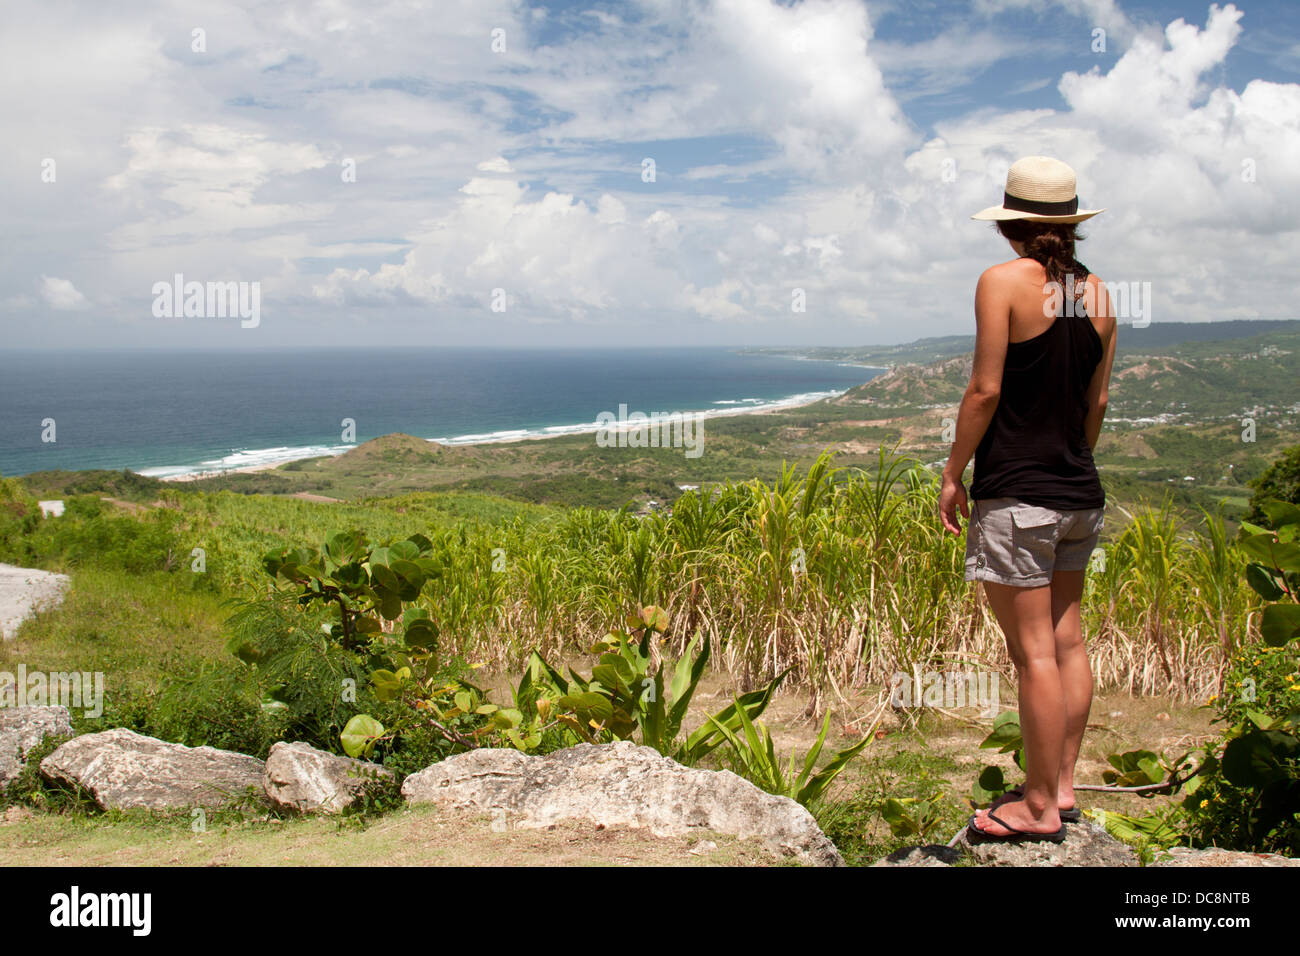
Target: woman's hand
<point>951,498</point>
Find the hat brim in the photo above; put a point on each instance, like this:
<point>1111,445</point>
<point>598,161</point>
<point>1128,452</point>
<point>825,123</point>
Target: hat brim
<point>1002,213</point>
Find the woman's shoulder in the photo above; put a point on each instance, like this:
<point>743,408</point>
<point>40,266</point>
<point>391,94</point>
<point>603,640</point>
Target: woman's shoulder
<point>1010,272</point>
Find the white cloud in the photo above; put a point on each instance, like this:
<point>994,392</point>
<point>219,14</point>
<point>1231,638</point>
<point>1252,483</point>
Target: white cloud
<point>61,294</point>
<point>785,161</point>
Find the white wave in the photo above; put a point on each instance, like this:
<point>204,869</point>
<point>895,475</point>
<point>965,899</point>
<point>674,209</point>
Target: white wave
<point>245,459</point>
<point>268,457</point>
<point>740,406</point>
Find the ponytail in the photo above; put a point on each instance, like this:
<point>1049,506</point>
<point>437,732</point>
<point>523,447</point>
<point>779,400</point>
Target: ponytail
<point>1049,243</point>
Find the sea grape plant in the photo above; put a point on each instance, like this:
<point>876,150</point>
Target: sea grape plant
<point>371,586</point>
<point>1274,570</point>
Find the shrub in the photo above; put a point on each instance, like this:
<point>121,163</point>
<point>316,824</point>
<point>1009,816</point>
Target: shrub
<point>1280,481</point>
<point>215,705</point>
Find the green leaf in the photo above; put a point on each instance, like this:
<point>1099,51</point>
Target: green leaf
<point>609,677</point>
<point>810,761</point>
<point>390,604</point>
<point>538,665</point>
<point>650,699</point>
<point>1280,623</point>
<point>351,575</point>
<point>344,547</point>
<point>403,551</point>
<point>384,577</point>
<point>684,683</point>
<point>1006,733</point>
<point>817,786</point>
<point>588,706</point>
<point>1281,512</point>
<point>705,739</point>
<point>1264,549</point>
<point>992,783</point>
<point>360,734</point>
<point>408,570</point>
<point>421,633</point>
<point>386,684</point>
<point>1262,582</point>
<point>1259,758</point>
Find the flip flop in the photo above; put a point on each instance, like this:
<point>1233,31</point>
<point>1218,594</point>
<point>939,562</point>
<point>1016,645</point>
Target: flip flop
<point>1073,815</point>
<point>1017,836</point>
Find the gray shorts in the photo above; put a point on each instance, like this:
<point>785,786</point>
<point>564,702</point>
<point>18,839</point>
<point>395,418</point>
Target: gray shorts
<point>1010,542</point>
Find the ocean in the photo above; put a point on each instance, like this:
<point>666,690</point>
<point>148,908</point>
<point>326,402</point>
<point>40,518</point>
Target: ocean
<point>171,413</point>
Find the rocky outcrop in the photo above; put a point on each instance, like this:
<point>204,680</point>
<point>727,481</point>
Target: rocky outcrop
<point>1085,844</point>
<point>1185,856</point>
<point>619,784</point>
<point>23,728</point>
<point>299,777</point>
<point>929,855</point>
<point>121,769</point>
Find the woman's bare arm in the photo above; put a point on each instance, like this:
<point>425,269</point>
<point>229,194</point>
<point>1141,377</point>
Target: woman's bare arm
<point>1099,387</point>
<point>992,331</point>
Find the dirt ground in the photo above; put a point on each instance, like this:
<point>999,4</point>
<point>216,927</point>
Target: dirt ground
<point>421,836</point>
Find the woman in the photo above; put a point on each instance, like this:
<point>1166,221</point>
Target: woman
<point>1044,345</point>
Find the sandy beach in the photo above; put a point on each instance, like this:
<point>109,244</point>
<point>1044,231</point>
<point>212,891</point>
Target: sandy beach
<point>247,469</point>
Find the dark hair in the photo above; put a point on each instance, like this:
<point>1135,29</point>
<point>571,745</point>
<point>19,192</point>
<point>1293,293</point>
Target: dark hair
<point>1051,243</point>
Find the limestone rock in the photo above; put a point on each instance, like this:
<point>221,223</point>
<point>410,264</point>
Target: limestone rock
<point>300,777</point>
<point>619,784</point>
<point>1185,856</point>
<point>21,729</point>
<point>121,769</point>
<point>929,855</point>
<point>1086,844</point>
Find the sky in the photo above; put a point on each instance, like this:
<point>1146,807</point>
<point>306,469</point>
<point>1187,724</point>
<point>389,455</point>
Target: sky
<point>656,172</point>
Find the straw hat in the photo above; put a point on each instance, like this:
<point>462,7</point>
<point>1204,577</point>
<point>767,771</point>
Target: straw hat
<point>1042,189</point>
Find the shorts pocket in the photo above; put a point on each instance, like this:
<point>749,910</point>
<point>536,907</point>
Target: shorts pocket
<point>1033,516</point>
<point>1034,531</point>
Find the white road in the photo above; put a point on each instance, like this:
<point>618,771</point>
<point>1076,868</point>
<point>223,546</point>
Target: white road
<point>24,591</point>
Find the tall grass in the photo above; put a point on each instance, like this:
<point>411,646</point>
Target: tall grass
<point>844,575</point>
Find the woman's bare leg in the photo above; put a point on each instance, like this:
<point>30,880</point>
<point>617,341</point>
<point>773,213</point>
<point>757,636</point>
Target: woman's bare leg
<point>1076,674</point>
<point>1026,618</point>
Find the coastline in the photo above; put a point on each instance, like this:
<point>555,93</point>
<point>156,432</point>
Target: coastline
<point>498,438</point>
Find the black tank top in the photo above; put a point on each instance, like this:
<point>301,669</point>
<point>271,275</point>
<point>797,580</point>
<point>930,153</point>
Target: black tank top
<point>1036,448</point>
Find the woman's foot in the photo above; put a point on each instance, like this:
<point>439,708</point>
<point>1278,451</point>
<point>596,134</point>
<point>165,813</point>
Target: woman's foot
<point>1018,817</point>
<point>1065,801</point>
